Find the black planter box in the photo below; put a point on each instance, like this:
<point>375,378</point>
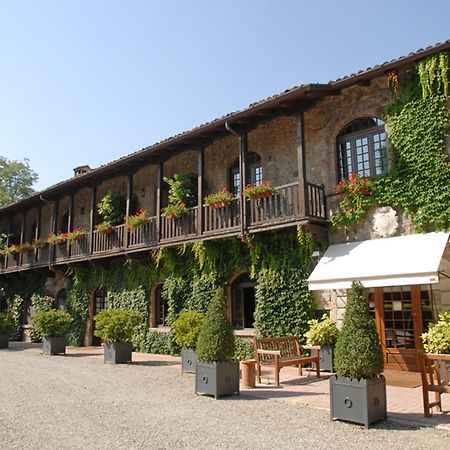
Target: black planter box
<point>117,352</point>
<point>326,358</point>
<point>362,401</point>
<point>4,341</point>
<point>54,345</point>
<point>217,379</point>
<point>188,360</point>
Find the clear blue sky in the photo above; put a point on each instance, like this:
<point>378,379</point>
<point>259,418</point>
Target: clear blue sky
<point>85,82</point>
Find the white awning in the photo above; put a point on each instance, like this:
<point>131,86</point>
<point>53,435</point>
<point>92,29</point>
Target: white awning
<point>396,261</point>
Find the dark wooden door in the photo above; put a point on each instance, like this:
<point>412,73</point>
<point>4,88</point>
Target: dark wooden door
<point>402,314</point>
<point>100,303</point>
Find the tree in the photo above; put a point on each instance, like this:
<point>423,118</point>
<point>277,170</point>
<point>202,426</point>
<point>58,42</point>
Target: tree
<point>16,180</point>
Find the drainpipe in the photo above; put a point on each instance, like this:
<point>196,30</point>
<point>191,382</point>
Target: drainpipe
<point>242,172</point>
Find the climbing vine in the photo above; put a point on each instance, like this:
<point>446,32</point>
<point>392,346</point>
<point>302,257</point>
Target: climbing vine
<point>281,265</point>
<point>418,120</point>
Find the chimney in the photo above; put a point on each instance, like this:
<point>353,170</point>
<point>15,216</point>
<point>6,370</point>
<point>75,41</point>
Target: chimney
<point>81,170</point>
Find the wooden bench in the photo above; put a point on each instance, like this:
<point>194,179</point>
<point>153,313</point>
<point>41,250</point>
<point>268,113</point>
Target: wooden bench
<point>281,352</point>
<point>434,369</point>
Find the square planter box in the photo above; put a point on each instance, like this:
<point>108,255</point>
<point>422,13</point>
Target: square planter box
<point>188,360</point>
<point>326,358</point>
<point>117,352</point>
<point>4,341</point>
<point>217,379</point>
<point>54,345</point>
<point>362,401</point>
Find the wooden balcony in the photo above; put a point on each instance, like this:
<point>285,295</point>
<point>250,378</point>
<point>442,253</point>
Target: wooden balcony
<point>285,208</point>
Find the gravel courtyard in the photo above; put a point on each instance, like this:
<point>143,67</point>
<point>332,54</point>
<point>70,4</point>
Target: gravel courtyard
<point>79,402</point>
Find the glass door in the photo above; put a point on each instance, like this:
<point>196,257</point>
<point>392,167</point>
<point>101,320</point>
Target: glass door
<point>402,314</point>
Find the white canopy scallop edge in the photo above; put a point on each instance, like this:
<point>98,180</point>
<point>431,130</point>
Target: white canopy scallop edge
<point>396,261</point>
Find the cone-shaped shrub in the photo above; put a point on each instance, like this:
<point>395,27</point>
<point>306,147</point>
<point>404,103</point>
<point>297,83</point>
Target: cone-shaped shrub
<point>216,339</point>
<point>358,351</point>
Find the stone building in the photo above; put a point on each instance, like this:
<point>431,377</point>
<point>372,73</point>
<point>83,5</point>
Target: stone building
<point>303,141</point>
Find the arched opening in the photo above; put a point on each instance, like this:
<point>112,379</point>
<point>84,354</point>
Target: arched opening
<point>243,302</point>
<point>254,172</point>
<point>159,308</point>
<point>64,224</point>
<point>61,300</point>
<point>100,302</point>
<point>362,148</point>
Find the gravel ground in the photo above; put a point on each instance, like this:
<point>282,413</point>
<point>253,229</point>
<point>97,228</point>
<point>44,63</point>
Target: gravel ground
<point>79,402</point>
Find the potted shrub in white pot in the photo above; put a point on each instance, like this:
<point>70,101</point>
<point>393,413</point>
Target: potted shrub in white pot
<point>323,333</point>
<point>116,327</point>
<point>52,326</point>
<point>358,390</point>
<point>186,330</point>
<point>6,329</point>
<point>217,370</point>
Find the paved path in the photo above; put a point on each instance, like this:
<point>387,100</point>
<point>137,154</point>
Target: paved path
<point>76,401</point>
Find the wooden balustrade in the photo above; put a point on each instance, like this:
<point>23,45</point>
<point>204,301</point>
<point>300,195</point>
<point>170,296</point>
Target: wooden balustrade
<point>219,219</point>
<point>109,242</point>
<point>283,206</point>
<point>182,227</point>
<point>145,235</point>
<point>316,205</point>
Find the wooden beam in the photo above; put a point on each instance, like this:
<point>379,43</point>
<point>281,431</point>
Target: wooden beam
<point>201,175</point>
<point>70,214</point>
<point>128,205</point>
<point>92,218</point>
<point>159,182</point>
<point>301,165</point>
<point>243,150</point>
<point>37,233</point>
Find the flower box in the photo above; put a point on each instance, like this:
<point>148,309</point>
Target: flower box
<point>137,220</point>
<point>174,211</point>
<point>104,228</point>
<point>259,190</point>
<point>76,235</point>
<point>57,238</point>
<point>219,199</point>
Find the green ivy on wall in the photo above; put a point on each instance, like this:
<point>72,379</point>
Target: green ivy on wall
<point>282,262</point>
<point>418,121</point>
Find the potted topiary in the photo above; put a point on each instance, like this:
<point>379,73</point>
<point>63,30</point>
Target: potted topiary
<point>6,329</point>
<point>217,372</point>
<point>186,330</point>
<point>358,391</point>
<point>323,333</point>
<point>52,326</point>
<point>116,327</point>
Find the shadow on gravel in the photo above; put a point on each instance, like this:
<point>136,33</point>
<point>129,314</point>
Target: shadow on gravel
<point>22,346</point>
<point>155,363</point>
<point>270,394</point>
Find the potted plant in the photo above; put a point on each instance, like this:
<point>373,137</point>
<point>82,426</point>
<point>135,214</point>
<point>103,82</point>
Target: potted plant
<point>76,235</point>
<point>259,190</point>
<point>186,330</point>
<point>111,207</point>
<point>39,243</point>
<point>217,372</point>
<point>437,338</point>
<point>116,327</point>
<point>219,199</point>
<point>52,326</point>
<point>358,390</point>
<point>137,220</point>
<point>24,247</point>
<point>174,211</point>
<point>104,228</point>
<point>323,333</point>
<point>57,238</point>
<point>6,329</point>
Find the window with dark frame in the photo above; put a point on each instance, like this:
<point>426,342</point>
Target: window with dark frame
<point>362,148</point>
<point>254,173</point>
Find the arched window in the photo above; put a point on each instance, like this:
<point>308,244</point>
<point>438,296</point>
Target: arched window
<point>64,224</point>
<point>362,148</point>
<point>254,172</point>
<point>61,300</point>
<point>243,303</point>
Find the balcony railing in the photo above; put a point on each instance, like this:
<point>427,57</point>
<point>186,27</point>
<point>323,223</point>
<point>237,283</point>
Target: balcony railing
<point>286,206</point>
